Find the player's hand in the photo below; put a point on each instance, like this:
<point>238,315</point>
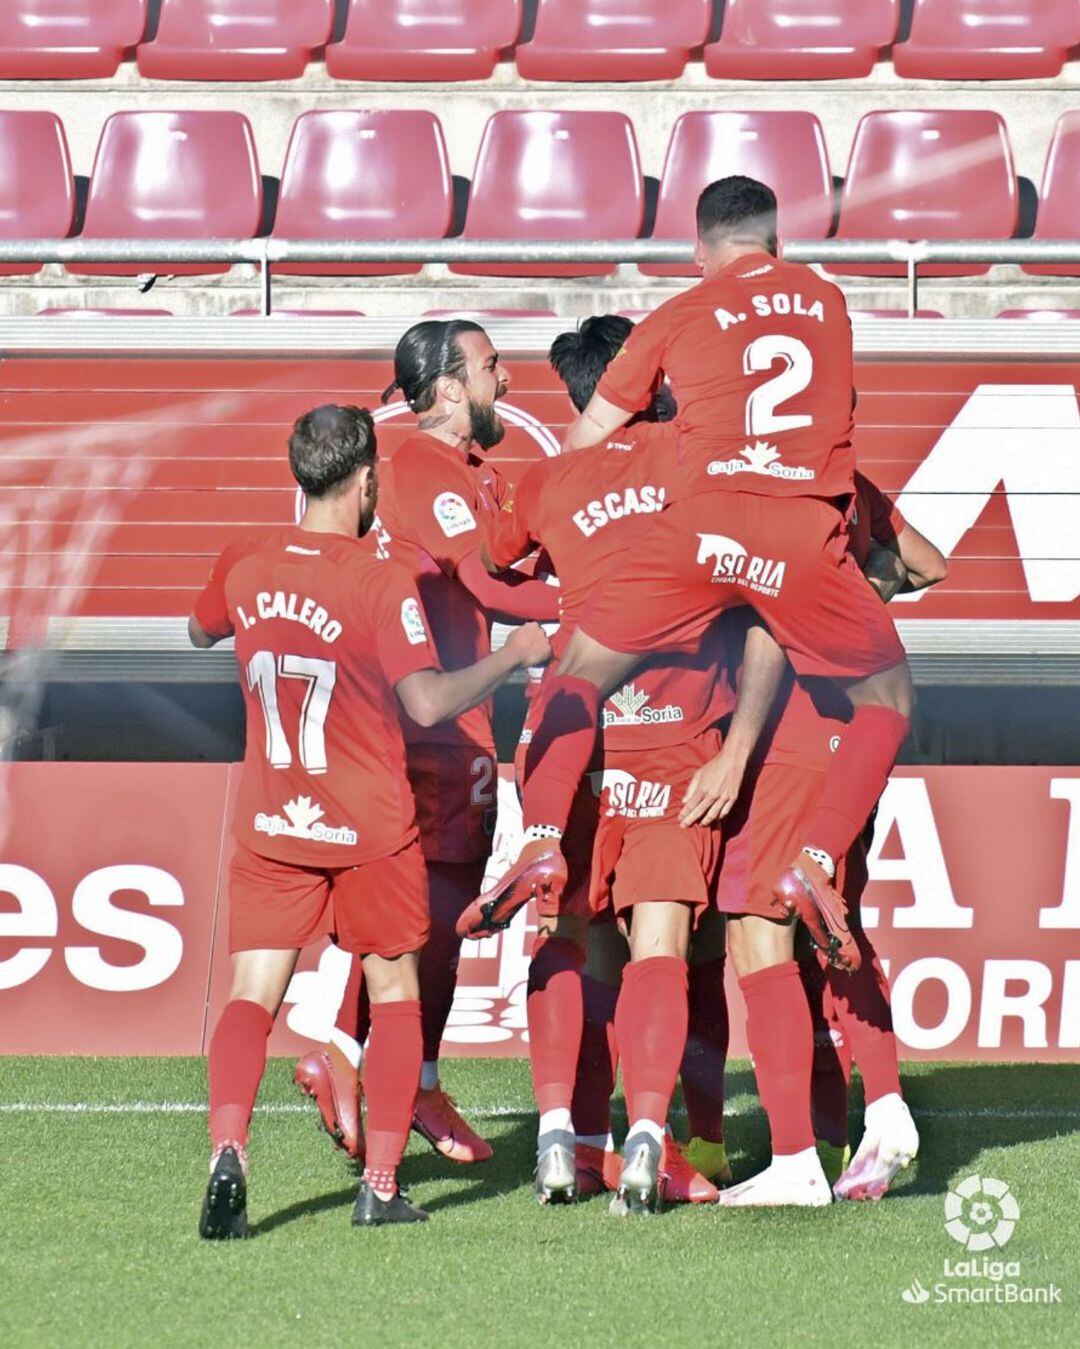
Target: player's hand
<point>713,790</point>
<point>530,645</point>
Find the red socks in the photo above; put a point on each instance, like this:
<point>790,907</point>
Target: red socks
<point>650,1025</point>
<point>555,1014</point>
<point>831,1071</point>
<point>705,1057</point>
<point>861,1006</point>
<point>598,1059</point>
<point>235,1069</point>
<point>780,1038</point>
<point>856,778</point>
<point>391,1077</point>
<point>561,748</point>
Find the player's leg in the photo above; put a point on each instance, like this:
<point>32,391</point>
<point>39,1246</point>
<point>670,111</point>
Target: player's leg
<point>780,1038</point>
<point>705,1059</point>
<point>831,1072</point>
<point>650,1026</point>
<point>597,1164</point>
<point>452,887</point>
<point>331,1075</point>
<point>235,1068</point>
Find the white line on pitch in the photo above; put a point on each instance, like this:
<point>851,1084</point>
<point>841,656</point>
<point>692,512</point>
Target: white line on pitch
<point>477,1112</point>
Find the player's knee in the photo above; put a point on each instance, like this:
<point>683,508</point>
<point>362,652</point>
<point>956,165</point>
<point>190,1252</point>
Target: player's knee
<point>758,943</point>
<point>392,979</point>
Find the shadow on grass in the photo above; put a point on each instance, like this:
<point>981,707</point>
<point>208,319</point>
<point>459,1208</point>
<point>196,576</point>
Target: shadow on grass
<point>304,1208</point>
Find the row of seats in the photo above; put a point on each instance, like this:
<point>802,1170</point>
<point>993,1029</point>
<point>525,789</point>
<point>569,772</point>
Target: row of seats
<point>482,315</point>
<point>573,39</point>
<point>538,175</point>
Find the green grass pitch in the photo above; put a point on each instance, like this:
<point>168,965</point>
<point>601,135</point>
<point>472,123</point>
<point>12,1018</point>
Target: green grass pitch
<point>99,1207</point>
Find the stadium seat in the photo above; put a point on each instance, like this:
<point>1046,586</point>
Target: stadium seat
<point>614,39</point>
<point>172,175</point>
<point>423,39</point>
<point>1059,198</point>
<point>364,175</point>
<point>479,315</point>
<point>928,175</point>
<point>801,39</point>
<point>988,39</point>
<point>554,175</point>
<point>68,39</point>
<point>784,149</point>
<point>37,194</point>
<point>236,39</point>
<point>1041,315</point>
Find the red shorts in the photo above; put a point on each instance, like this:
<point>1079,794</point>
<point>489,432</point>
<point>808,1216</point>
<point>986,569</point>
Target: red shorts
<point>455,789</point>
<point>377,908</point>
<point>576,844</point>
<point>785,556</point>
<point>764,833</point>
<point>642,855</point>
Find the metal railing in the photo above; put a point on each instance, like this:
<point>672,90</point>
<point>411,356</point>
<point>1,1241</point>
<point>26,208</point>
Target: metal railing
<point>267,252</point>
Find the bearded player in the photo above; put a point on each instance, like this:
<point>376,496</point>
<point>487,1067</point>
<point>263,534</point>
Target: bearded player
<point>759,356</point>
<point>587,512</point>
<point>329,641</point>
<point>438,493</point>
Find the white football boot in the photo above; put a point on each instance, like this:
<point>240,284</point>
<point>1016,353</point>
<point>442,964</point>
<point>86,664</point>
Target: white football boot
<point>794,1180</point>
<point>889,1142</point>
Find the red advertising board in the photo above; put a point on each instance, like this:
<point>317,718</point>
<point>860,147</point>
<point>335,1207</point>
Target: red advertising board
<point>107,942</point>
<point>123,478</point>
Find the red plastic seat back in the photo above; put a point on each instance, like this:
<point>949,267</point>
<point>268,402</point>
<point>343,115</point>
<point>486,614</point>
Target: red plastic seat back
<point>173,175</point>
<point>236,39</point>
<point>785,150</point>
<point>988,39</point>
<point>1059,199</point>
<point>37,195</point>
<point>555,175</point>
<point>67,39</point>
<point>929,175</point>
<point>614,39</point>
<point>801,39</point>
<point>417,24</point>
<point>364,175</point>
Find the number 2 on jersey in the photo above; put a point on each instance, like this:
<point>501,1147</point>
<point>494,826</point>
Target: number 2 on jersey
<point>761,355</point>
<point>263,671</point>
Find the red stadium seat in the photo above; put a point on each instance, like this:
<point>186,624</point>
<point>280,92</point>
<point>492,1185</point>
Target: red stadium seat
<point>1041,315</point>
<point>67,39</point>
<point>928,175</point>
<point>172,175</point>
<point>424,39</point>
<point>37,194</point>
<point>784,149</point>
<point>236,39</point>
<point>364,175</point>
<point>1059,199</point>
<point>614,39</point>
<point>988,39</point>
<point>801,39</point>
<point>554,175</point>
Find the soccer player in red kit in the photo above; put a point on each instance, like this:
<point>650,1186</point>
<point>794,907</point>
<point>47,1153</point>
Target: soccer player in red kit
<point>587,511</point>
<point>438,491</point>
<point>783,788</point>
<point>759,357</point>
<point>325,824</point>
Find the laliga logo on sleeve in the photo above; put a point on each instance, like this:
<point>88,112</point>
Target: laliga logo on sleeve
<point>981,1213</point>
<point>413,623</point>
<point>453,514</point>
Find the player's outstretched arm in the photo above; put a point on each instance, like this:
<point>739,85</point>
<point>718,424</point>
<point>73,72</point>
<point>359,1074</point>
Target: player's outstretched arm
<point>508,599</point>
<point>926,565</point>
<point>715,787</point>
<point>431,696</point>
<point>600,420</point>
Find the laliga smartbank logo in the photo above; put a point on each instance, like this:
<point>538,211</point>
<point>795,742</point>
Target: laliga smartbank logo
<point>981,1213</point>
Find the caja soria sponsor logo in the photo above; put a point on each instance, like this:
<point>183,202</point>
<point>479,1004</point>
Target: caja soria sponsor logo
<point>733,565</point>
<point>763,458</point>
<point>630,707</point>
<point>303,819</point>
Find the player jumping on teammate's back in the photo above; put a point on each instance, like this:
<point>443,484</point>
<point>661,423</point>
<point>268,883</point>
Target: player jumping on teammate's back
<point>436,494</point>
<point>759,355</point>
<point>329,640</point>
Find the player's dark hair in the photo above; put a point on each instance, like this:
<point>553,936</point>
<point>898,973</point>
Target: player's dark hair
<point>739,209</point>
<point>427,352</point>
<point>328,445</point>
<point>580,358</point>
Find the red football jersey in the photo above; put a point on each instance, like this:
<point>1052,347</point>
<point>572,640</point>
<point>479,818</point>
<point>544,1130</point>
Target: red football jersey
<point>760,360</point>
<point>809,717</point>
<point>434,501</point>
<point>324,630</point>
<point>586,509</point>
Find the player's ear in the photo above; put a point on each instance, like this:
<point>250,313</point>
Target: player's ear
<point>449,390</point>
<point>699,253</point>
